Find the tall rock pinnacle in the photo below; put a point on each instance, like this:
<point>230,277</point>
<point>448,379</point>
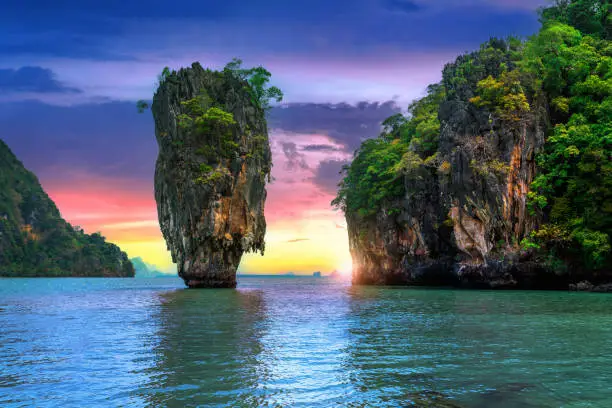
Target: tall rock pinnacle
<point>214,158</point>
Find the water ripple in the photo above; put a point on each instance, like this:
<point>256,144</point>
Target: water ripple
<point>298,342</point>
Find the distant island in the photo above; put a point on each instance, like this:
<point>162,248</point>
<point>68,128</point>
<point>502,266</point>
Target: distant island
<point>144,270</point>
<point>316,274</point>
<point>35,241</point>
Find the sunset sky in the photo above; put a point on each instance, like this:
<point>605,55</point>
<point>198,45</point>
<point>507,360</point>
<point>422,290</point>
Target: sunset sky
<point>71,71</point>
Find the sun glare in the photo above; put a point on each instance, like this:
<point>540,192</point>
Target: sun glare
<point>346,268</point>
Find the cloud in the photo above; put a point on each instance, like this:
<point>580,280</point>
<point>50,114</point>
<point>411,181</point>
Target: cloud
<point>403,6</point>
<point>70,144</point>
<point>130,225</point>
<point>108,140</point>
<point>528,5</point>
<point>291,241</point>
<point>112,140</point>
<point>320,148</point>
<point>342,122</point>
<point>260,30</point>
<point>372,75</point>
<point>294,158</point>
<point>33,80</point>
<point>328,175</point>
<point>325,53</point>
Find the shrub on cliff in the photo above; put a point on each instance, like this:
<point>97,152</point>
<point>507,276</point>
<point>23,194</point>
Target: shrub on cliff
<point>257,78</point>
<point>375,178</point>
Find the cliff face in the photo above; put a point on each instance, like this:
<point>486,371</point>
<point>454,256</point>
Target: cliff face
<point>214,158</point>
<point>36,241</point>
<point>462,222</point>
<point>463,213</point>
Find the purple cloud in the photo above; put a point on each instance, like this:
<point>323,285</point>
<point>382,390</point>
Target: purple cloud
<point>32,80</point>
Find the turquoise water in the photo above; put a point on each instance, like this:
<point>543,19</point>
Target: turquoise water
<point>298,342</point>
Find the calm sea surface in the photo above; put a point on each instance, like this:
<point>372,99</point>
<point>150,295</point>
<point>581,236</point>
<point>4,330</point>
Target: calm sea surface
<point>298,342</point>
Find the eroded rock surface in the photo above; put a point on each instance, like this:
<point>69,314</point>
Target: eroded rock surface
<point>461,222</point>
<point>210,174</point>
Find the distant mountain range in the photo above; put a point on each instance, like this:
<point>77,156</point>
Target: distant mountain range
<point>145,270</point>
<point>317,274</point>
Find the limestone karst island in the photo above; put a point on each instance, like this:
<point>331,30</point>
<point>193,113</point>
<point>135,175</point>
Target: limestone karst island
<point>214,159</point>
<point>387,203</point>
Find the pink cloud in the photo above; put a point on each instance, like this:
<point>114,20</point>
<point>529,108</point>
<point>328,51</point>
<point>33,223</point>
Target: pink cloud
<point>293,193</point>
<point>125,209</point>
<point>118,208</point>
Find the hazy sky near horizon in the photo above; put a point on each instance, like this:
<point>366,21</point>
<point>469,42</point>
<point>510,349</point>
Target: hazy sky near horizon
<point>71,71</point>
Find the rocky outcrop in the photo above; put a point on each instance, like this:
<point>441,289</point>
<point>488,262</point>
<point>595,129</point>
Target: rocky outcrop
<point>214,158</point>
<point>462,220</point>
<point>35,241</point>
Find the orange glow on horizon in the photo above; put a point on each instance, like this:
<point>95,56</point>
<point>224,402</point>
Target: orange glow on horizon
<point>304,234</point>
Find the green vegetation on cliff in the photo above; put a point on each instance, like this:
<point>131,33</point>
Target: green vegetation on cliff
<point>574,188</point>
<point>560,81</point>
<point>375,177</point>
<point>204,117</point>
<point>257,79</point>
<point>210,175</point>
<point>36,241</point>
<point>256,84</point>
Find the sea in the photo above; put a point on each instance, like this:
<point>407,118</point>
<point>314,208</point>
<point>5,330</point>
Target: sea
<point>299,342</point>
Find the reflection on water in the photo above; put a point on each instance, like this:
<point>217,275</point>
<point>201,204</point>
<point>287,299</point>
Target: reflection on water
<point>209,349</point>
<point>73,342</point>
<point>306,342</point>
<point>298,342</point>
<point>479,349</point>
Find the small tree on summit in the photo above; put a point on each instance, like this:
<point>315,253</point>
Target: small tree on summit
<point>257,77</point>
